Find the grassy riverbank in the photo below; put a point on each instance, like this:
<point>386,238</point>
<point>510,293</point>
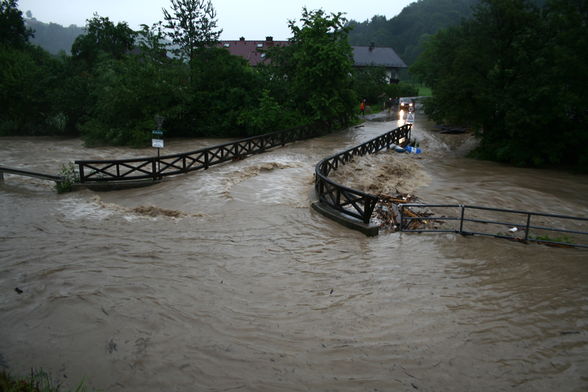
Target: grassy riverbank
<point>37,381</point>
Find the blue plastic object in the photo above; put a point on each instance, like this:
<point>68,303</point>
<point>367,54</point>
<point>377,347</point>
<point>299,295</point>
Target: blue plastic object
<point>414,150</point>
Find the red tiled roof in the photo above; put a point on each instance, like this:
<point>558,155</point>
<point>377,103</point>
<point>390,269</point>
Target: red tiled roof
<point>252,51</point>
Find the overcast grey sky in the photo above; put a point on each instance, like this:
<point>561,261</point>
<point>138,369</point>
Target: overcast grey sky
<point>252,19</point>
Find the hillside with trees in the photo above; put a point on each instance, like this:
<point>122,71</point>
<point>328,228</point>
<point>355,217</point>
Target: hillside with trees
<point>407,31</point>
<point>52,37</point>
<point>517,73</point>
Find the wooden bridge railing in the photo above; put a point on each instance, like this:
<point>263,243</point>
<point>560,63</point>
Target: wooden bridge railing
<point>347,200</point>
<point>168,165</point>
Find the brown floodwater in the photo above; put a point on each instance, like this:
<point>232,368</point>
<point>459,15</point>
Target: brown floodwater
<point>226,279</point>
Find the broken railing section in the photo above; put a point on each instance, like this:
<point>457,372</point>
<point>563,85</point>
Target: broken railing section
<point>349,201</point>
<point>155,168</point>
<point>523,226</point>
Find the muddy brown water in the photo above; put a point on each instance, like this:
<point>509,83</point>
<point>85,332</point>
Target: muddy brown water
<point>226,280</point>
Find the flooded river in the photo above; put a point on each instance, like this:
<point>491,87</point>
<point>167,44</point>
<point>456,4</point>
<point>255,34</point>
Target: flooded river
<point>226,279</point>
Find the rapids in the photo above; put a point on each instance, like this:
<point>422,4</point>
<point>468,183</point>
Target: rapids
<point>226,279</point>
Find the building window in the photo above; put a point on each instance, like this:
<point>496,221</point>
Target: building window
<point>260,45</point>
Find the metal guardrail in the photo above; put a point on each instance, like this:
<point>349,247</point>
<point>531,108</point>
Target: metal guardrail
<point>156,168</point>
<point>347,200</point>
<point>531,227</point>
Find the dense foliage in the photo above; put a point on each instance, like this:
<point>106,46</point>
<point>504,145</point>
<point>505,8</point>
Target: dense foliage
<point>315,69</point>
<point>518,73</point>
<point>12,31</point>
<point>370,84</point>
<point>117,81</point>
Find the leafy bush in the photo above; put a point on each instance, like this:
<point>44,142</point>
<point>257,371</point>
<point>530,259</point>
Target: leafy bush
<point>69,178</point>
<point>269,116</point>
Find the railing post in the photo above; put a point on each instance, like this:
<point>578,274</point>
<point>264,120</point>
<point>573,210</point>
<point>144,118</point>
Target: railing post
<point>368,208</point>
<point>527,227</point>
<point>400,212</point>
<point>364,216</point>
<point>206,160</point>
<point>154,168</point>
<point>81,171</point>
<point>461,218</point>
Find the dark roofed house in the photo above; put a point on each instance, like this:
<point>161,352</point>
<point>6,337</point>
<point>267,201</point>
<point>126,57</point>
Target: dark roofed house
<point>374,56</point>
<point>363,56</point>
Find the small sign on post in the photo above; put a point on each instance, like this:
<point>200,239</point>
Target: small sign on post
<point>157,142</point>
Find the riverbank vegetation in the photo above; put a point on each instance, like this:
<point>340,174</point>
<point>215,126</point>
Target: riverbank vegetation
<point>37,381</point>
<point>517,72</point>
<point>116,80</point>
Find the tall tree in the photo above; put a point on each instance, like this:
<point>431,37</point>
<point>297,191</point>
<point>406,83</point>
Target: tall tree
<point>103,36</point>
<point>191,26</point>
<point>317,68</point>
<point>13,31</point>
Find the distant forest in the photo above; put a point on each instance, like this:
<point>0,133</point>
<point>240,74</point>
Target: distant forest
<point>53,37</point>
<point>407,31</point>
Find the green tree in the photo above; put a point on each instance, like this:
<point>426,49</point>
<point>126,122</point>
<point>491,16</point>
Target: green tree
<point>316,68</point>
<point>126,96</point>
<point>370,83</point>
<point>222,87</point>
<point>191,26</point>
<point>28,77</point>
<point>103,38</point>
<point>515,72</point>
<point>151,42</point>
<point>13,32</point>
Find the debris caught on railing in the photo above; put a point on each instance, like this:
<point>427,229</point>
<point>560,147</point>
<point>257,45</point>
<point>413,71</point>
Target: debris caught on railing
<point>387,213</point>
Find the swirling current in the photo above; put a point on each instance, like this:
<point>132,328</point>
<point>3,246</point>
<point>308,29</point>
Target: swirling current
<point>225,279</point>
